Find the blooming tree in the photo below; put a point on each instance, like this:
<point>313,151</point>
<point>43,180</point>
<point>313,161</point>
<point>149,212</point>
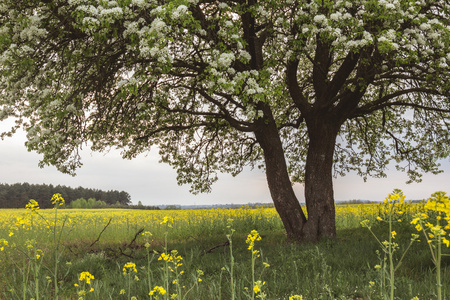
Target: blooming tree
<point>302,88</point>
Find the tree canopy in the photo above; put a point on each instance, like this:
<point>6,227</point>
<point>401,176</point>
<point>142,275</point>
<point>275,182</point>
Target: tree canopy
<point>301,88</point>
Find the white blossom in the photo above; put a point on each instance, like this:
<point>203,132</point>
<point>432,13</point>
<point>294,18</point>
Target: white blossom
<point>71,108</point>
<point>214,72</point>
<point>320,19</point>
<point>157,25</point>
<point>262,11</point>
<point>226,59</point>
<point>335,16</point>
<point>179,11</point>
<point>131,28</point>
<point>115,12</point>
<point>90,22</point>
<point>251,91</point>
<point>26,49</point>
<point>221,81</point>
<point>213,64</point>
<point>33,31</point>
<point>425,26</point>
<point>244,54</point>
<point>140,3</point>
<point>89,9</point>
<point>154,51</point>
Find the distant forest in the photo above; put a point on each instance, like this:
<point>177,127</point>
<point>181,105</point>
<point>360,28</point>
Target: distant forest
<point>17,195</point>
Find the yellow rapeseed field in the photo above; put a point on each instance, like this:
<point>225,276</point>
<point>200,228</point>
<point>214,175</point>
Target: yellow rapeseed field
<point>32,240</point>
<point>120,223</point>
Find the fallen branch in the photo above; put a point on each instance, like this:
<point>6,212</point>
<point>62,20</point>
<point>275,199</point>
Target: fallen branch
<point>101,233</point>
<point>135,236</point>
<point>227,243</point>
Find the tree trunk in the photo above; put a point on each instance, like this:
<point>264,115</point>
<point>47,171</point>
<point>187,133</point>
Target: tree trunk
<point>318,179</point>
<point>283,196</point>
<point>319,195</point>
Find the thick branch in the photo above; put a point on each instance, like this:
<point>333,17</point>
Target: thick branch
<point>320,68</point>
<point>341,76</point>
<point>294,89</point>
<point>384,102</point>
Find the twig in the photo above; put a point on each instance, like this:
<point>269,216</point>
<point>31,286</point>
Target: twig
<point>124,254</point>
<point>101,233</point>
<point>135,236</point>
<point>227,243</point>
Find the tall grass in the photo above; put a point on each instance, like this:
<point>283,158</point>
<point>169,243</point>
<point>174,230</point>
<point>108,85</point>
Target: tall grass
<point>122,255</point>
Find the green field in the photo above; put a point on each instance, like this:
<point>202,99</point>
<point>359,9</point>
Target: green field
<point>222,254</point>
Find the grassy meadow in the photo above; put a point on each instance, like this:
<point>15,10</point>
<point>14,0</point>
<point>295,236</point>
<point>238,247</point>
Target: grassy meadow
<point>391,250</point>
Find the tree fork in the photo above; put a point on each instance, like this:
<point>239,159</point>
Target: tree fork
<point>319,194</point>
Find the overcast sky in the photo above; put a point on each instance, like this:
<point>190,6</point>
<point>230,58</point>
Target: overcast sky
<point>154,183</point>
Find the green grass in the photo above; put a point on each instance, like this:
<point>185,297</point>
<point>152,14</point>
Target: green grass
<point>332,269</point>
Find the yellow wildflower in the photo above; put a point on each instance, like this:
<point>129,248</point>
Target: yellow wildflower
<point>86,276</point>
<point>57,199</point>
<point>167,220</point>
<point>129,267</point>
<point>157,289</point>
<point>251,238</point>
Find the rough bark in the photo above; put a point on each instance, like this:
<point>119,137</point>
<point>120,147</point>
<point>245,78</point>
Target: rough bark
<point>319,194</point>
<point>283,196</point>
<point>318,180</point>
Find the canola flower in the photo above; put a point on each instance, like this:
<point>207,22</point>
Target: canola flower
<point>251,238</point>
<point>57,199</point>
<point>438,204</point>
<point>167,220</point>
<point>128,268</point>
<point>86,277</point>
<point>3,243</point>
<point>392,209</point>
<point>157,290</point>
<point>199,274</point>
<point>257,286</point>
<point>434,230</point>
<point>32,205</point>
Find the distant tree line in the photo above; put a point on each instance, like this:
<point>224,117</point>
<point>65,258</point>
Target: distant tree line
<point>17,195</point>
<point>94,203</point>
<point>356,202</point>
